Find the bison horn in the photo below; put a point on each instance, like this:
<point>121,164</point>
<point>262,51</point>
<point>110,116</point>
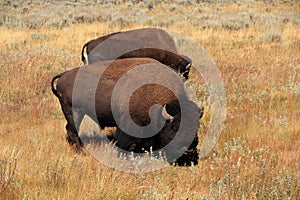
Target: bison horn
<point>188,66</point>
<point>166,115</point>
<point>201,112</point>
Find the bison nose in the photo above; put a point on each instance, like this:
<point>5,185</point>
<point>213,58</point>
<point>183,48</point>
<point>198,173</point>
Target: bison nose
<point>184,149</point>
<point>183,77</point>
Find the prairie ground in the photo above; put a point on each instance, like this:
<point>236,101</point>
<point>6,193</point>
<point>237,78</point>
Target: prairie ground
<point>255,46</point>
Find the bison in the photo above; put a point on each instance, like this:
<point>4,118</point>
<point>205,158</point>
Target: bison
<point>147,116</point>
<point>143,43</point>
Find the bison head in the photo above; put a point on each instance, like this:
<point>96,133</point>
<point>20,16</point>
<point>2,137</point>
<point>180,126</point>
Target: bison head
<point>177,139</point>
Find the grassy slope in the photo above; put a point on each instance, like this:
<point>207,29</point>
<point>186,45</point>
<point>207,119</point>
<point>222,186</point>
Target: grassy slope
<point>256,156</point>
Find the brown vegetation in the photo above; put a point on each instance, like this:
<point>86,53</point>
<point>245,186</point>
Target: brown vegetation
<point>255,46</point>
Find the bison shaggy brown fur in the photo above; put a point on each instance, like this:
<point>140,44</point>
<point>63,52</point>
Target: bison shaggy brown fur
<point>89,91</point>
<point>138,43</point>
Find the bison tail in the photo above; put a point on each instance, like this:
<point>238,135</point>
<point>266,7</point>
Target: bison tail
<point>53,81</point>
<point>82,53</point>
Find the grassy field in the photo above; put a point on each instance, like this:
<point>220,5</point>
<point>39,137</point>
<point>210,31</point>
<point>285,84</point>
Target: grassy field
<point>255,45</point>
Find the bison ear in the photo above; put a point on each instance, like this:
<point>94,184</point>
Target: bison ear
<point>166,115</point>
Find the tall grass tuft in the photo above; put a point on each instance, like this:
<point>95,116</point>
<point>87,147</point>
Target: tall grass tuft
<point>8,170</point>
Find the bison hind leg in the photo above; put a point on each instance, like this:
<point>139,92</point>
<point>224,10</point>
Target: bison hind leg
<point>73,139</point>
<point>74,118</point>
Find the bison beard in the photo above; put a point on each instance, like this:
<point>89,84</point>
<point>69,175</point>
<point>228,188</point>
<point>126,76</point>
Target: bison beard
<point>75,106</point>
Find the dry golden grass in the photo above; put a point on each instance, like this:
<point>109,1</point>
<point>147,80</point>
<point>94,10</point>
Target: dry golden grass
<point>257,156</point>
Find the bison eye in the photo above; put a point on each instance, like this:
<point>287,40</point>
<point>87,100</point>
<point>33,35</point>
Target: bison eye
<point>174,127</point>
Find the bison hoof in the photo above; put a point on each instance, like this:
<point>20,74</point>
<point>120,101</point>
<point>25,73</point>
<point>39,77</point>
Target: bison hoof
<point>76,145</point>
<point>188,159</point>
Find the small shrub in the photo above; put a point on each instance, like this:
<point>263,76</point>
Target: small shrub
<point>235,24</point>
<point>84,18</point>
<point>7,20</point>
<point>38,36</point>
<point>272,36</point>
